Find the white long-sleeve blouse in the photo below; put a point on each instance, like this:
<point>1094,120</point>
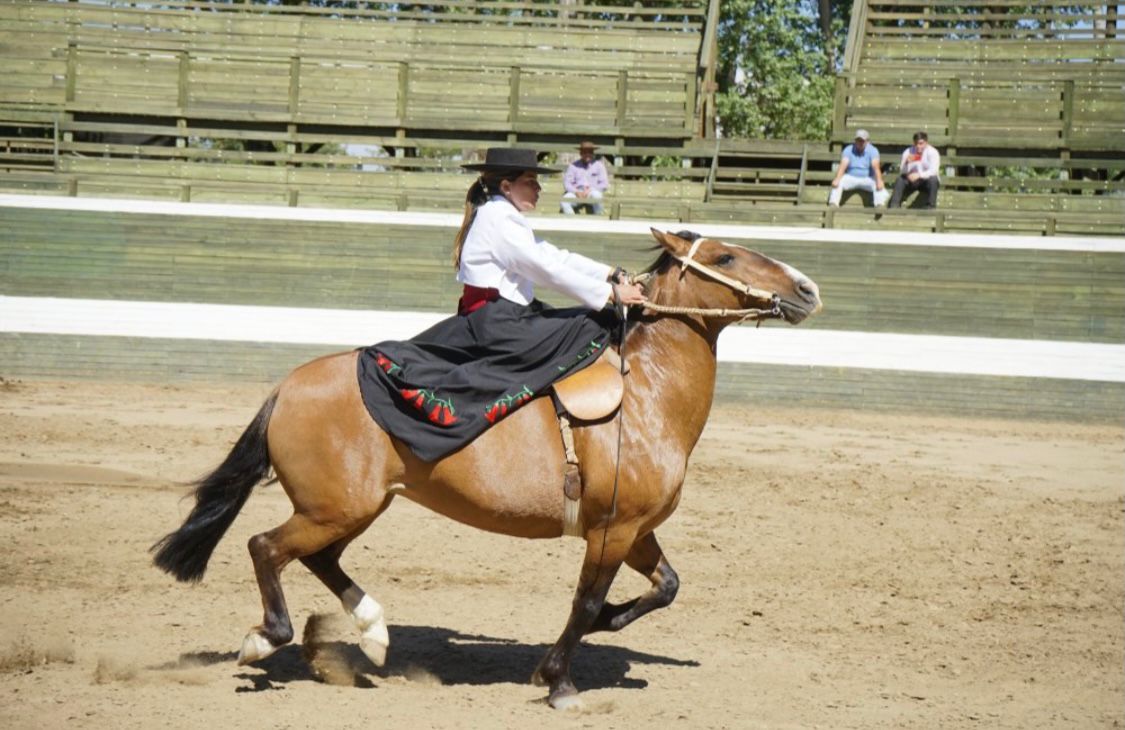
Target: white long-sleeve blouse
<point>502,252</point>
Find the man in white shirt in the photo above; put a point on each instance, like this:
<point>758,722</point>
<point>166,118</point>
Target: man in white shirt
<point>919,171</point>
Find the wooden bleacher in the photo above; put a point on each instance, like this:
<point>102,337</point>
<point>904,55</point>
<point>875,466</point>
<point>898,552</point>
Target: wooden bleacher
<point>299,105</point>
<point>981,75</point>
<point>462,66</point>
<point>1025,105</point>
<point>1024,102</point>
<point>204,100</point>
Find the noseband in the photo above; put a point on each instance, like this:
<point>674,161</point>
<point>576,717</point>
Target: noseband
<point>687,262</point>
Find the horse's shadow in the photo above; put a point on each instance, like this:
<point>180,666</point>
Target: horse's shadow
<point>439,655</point>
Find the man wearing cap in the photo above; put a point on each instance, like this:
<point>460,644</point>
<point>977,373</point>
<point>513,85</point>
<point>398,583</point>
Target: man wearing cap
<point>585,182</point>
<point>859,170</point>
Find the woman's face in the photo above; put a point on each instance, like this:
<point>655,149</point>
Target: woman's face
<point>523,192</point>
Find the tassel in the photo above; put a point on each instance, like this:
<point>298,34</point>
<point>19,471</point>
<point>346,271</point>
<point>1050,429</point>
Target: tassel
<point>572,526</point>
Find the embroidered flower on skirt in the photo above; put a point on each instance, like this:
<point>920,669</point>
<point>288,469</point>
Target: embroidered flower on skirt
<point>507,404</point>
<point>490,363</point>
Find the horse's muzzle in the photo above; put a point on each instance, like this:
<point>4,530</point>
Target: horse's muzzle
<point>805,304</point>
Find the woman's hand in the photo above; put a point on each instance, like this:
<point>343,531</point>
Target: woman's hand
<point>628,294</point>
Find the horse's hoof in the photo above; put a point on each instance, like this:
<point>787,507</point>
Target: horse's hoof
<point>375,648</point>
<point>255,647</point>
<point>374,638</point>
<point>567,700</point>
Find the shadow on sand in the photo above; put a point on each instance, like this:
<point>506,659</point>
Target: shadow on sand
<point>439,655</point>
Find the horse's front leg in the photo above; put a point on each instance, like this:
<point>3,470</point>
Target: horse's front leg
<point>599,568</point>
<point>648,559</point>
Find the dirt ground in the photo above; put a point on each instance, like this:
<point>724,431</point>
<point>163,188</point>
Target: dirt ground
<point>838,570</point>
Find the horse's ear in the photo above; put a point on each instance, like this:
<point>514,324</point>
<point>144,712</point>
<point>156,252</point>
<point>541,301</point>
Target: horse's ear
<point>672,243</point>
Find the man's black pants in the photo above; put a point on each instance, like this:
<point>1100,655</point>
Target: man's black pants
<point>929,186</point>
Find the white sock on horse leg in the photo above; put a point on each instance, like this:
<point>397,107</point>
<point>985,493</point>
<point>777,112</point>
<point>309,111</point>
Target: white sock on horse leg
<point>368,614</point>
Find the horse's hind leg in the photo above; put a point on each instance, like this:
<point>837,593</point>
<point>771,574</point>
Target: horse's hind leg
<point>365,610</point>
<point>648,559</point>
<point>271,552</point>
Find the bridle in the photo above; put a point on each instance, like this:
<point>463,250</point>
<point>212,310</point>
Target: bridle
<point>741,315</point>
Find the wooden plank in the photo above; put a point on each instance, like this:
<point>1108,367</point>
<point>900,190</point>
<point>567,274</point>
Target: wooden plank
<point>1025,293</point>
<point>685,14</point>
<point>233,56</point>
<point>197,28</point>
<point>156,360</point>
<point>951,5</point>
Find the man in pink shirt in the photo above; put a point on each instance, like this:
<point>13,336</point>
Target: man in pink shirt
<point>585,182</point>
<point>919,171</point>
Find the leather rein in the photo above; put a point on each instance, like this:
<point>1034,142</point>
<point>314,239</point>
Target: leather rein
<point>742,315</point>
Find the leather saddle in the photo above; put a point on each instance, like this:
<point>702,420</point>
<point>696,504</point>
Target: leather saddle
<point>588,395</point>
<point>595,391</point>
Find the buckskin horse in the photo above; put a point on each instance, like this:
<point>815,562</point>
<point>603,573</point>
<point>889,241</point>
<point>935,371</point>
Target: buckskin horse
<point>341,471</point>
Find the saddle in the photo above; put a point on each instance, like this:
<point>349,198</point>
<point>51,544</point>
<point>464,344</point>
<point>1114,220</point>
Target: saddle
<point>588,395</point>
<point>593,392</point>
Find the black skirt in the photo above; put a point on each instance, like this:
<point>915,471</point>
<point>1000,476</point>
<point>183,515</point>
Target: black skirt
<point>441,389</point>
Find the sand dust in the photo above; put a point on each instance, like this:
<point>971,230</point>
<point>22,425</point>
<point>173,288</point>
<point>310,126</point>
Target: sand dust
<point>838,570</point>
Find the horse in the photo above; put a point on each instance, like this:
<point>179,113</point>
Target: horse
<point>341,471</point>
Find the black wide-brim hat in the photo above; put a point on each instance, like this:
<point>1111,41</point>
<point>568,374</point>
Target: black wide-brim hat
<point>506,159</point>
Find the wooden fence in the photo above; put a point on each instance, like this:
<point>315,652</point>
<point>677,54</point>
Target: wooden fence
<point>993,292</point>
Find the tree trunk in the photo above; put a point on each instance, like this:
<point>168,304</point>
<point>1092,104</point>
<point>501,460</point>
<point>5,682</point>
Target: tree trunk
<point>825,12</point>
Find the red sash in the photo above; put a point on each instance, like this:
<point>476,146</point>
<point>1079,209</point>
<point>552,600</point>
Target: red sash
<point>475,297</point>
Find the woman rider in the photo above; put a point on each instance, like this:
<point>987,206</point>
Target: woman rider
<point>442,388</point>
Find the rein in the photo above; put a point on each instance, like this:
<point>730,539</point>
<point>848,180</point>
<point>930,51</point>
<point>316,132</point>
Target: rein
<point>624,312</point>
<point>742,315</point>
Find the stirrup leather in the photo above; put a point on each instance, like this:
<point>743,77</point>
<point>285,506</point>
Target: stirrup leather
<point>572,482</point>
<point>588,395</point>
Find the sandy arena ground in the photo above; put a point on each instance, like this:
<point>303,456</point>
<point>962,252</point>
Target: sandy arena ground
<point>838,570</point>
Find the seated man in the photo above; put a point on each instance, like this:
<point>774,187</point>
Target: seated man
<point>920,165</point>
<point>859,170</point>
<point>585,182</point>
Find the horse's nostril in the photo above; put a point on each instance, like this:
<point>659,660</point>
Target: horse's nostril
<point>808,290</point>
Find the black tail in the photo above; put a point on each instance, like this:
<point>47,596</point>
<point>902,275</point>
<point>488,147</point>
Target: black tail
<point>218,498</point>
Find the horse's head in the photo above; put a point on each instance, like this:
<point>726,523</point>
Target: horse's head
<point>710,274</point>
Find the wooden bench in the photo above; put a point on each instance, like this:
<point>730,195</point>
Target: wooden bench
<point>987,114</point>
<point>561,67</point>
<point>660,34</point>
<point>28,139</point>
<point>652,199</point>
<point>404,95</point>
<point>977,75</point>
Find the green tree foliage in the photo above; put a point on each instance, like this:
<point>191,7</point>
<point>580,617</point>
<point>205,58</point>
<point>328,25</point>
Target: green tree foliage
<point>774,77</point>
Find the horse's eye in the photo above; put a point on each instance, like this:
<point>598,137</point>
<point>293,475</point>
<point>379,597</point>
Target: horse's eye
<point>725,260</point>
